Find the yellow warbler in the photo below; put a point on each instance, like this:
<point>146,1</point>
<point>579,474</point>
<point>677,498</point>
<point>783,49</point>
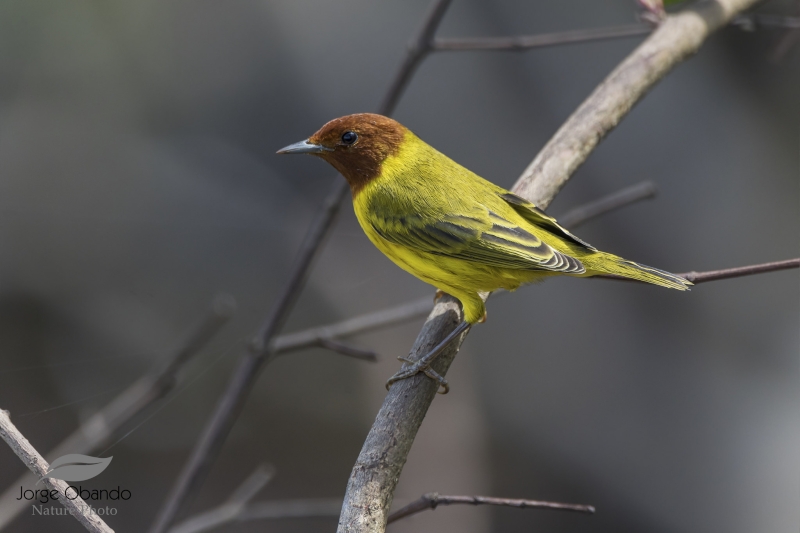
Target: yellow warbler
<point>448,226</point>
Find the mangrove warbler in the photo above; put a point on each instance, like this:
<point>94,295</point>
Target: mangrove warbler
<point>450,227</point>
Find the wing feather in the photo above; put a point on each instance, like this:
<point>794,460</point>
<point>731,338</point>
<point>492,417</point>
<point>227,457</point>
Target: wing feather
<point>486,238</point>
<point>536,216</point>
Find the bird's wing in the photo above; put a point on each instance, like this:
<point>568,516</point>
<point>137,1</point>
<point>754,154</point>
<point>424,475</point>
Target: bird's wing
<point>537,217</point>
<point>481,236</point>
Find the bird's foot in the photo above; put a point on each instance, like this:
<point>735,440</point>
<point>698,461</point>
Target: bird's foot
<point>423,364</point>
<point>415,368</point>
<point>439,294</point>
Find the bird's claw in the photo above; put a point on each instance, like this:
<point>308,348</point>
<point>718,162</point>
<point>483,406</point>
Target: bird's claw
<point>415,368</point>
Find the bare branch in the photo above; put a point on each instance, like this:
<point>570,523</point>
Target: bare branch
<point>629,195</point>
<point>230,510</point>
<point>350,351</point>
<point>526,42</point>
<point>678,37</point>
<point>370,321</point>
<point>374,477</point>
<point>232,400</point>
<point>713,275</point>
<point>238,509</point>
<point>432,500</point>
<point>99,427</point>
<point>270,510</point>
<point>418,48</point>
<point>77,507</point>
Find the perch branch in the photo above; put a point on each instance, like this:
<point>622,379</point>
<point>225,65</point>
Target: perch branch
<point>374,477</point>
<point>432,500</point>
<point>77,507</point>
<point>232,400</point>
<point>99,427</point>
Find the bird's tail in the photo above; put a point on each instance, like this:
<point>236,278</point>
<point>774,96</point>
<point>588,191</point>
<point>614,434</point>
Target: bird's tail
<point>618,266</point>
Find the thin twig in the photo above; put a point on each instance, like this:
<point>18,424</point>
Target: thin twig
<point>77,507</point>
<point>432,500</point>
<point>374,477</point>
<point>350,351</point>
<point>238,508</point>
<point>627,196</point>
<point>99,427</point>
<point>712,275</point>
<point>418,48</point>
<point>526,42</point>
<point>270,510</point>
<point>230,509</point>
<point>314,336</point>
<point>232,400</point>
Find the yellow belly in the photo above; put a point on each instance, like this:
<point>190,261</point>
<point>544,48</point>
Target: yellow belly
<point>465,280</point>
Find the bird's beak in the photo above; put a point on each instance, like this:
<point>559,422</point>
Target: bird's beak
<point>304,147</point>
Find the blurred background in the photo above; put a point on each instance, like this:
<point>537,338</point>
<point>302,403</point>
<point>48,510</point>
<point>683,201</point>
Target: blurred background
<point>138,178</point>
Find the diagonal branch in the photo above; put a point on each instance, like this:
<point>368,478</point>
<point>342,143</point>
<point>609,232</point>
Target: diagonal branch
<point>611,202</point>
<point>432,500</point>
<point>77,507</point>
<point>232,401</point>
<point>374,477</point>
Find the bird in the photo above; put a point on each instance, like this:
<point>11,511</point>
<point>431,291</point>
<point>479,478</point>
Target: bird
<point>451,228</point>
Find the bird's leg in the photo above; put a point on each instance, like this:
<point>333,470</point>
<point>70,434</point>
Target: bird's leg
<point>423,364</point>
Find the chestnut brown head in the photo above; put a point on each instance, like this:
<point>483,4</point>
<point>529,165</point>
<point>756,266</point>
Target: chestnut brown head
<point>356,145</point>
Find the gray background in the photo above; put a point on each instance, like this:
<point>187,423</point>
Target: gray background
<point>138,178</point>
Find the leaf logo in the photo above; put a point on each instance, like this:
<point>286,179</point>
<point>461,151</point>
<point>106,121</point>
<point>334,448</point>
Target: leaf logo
<point>76,467</point>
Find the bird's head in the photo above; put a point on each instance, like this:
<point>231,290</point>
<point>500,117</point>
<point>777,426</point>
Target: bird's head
<point>356,145</point>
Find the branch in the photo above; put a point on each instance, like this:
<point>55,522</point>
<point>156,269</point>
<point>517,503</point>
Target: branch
<point>239,509</point>
<point>325,334</point>
<point>374,477</point>
<point>616,200</point>
<point>78,508</point>
<point>418,48</point>
<point>713,275</point>
<point>526,42</point>
<point>241,383</point>
<point>432,500</point>
<point>229,510</point>
<point>99,428</point>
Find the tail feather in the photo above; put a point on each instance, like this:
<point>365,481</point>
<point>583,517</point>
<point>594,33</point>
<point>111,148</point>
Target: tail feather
<point>628,269</point>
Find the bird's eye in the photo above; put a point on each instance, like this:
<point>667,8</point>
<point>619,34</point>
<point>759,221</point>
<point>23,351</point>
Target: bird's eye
<point>349,137</point>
